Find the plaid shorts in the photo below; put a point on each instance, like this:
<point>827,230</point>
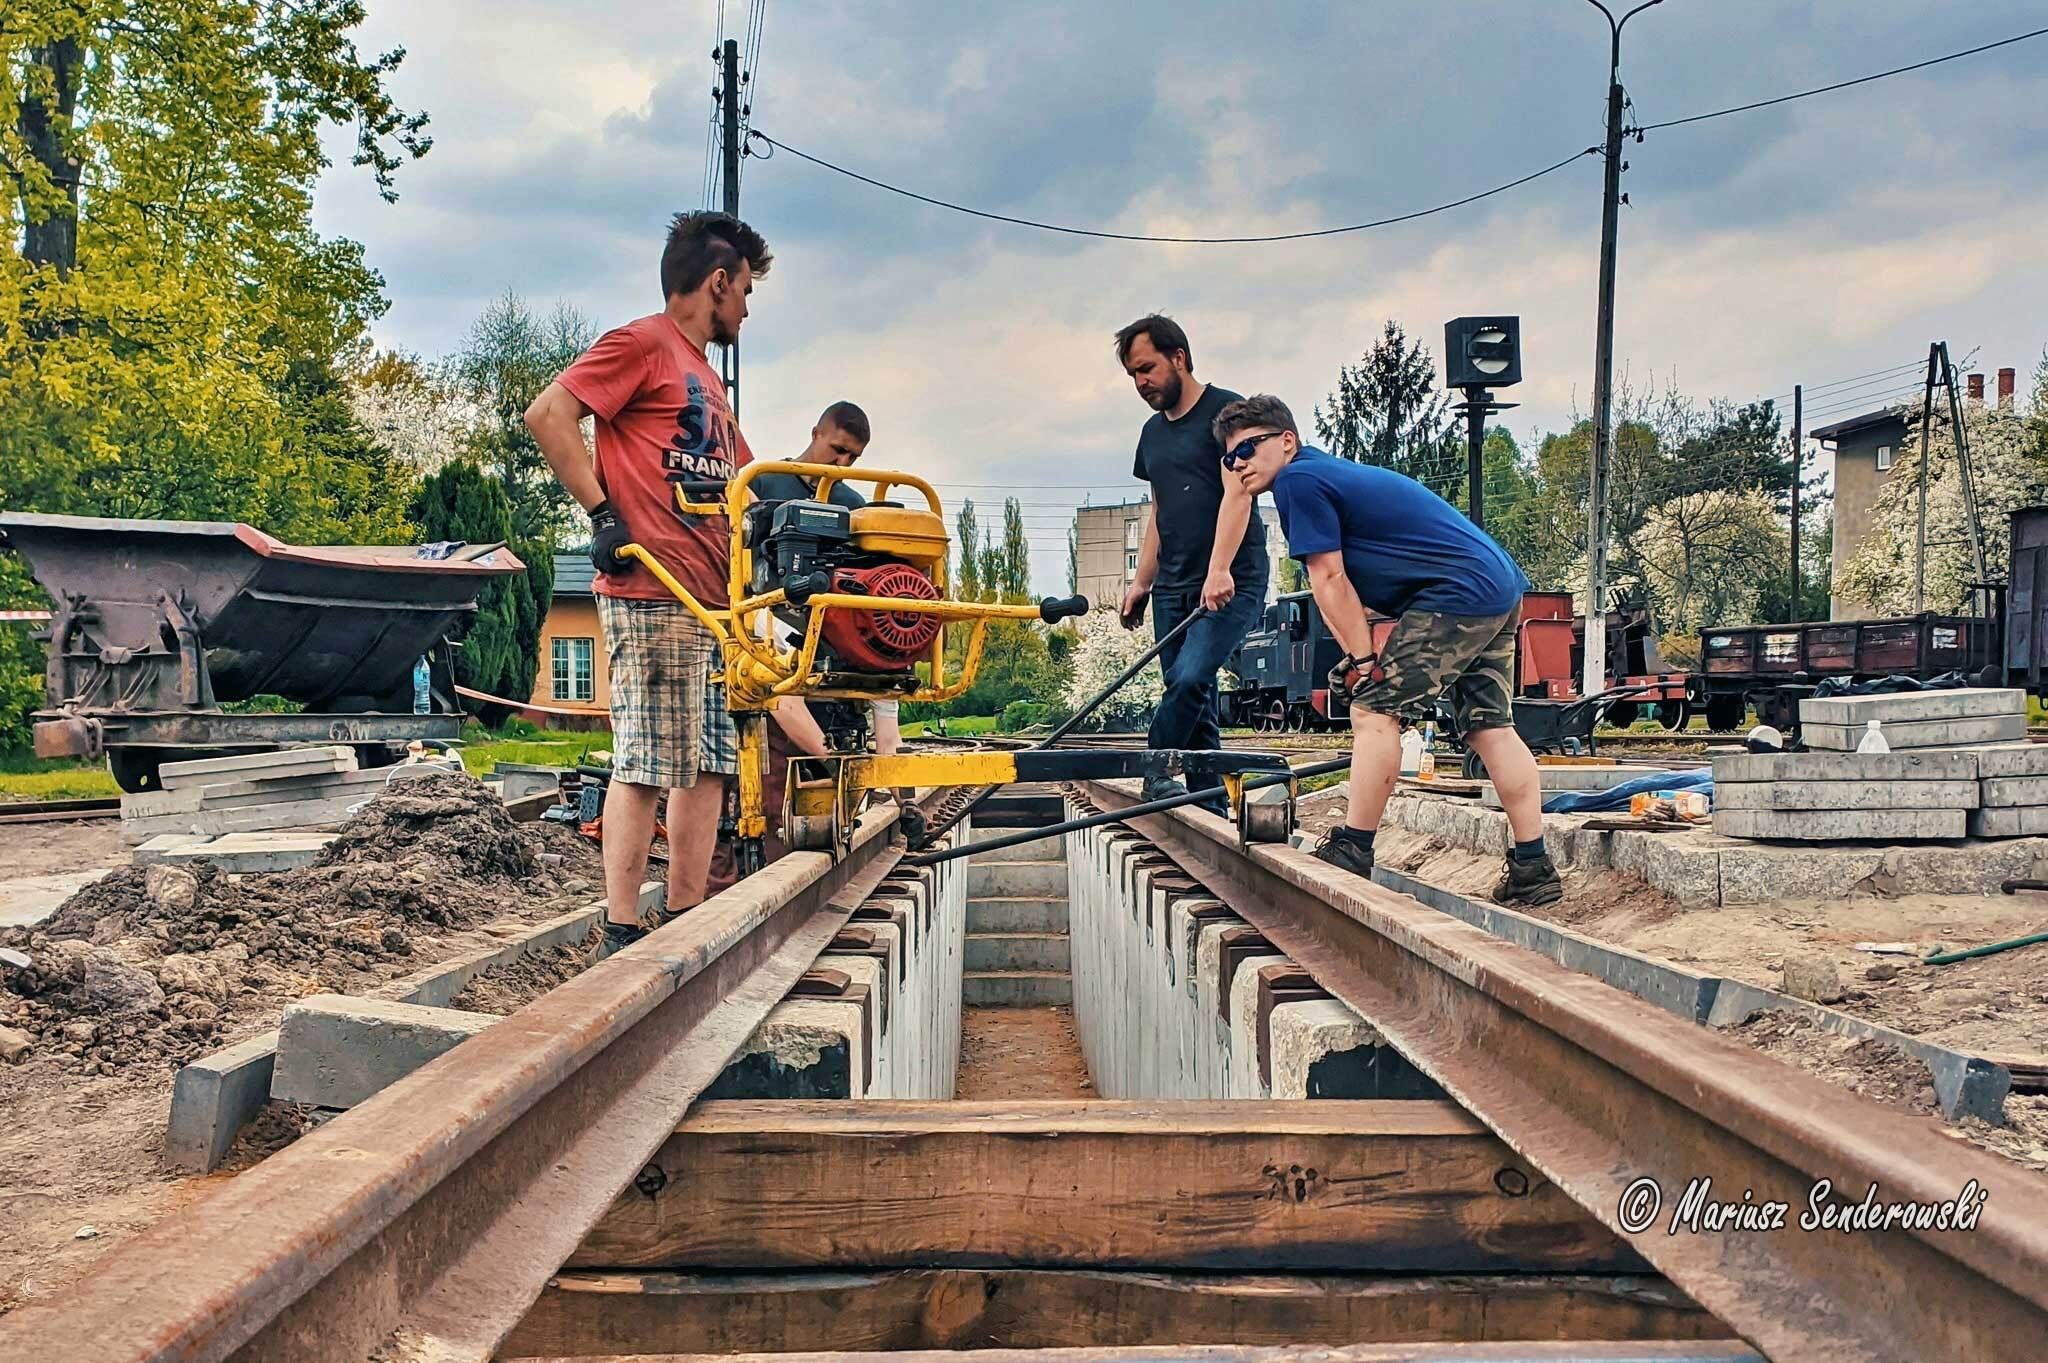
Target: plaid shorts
<point>718,743</point>
<point>659,657</point>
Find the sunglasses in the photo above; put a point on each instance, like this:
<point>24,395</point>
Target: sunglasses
<point>1246,449</point>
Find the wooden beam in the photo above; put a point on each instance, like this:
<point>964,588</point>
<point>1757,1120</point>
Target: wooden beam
<point>1521,1351</point>
<point>1226,1186</point>
<point>629,1313</point>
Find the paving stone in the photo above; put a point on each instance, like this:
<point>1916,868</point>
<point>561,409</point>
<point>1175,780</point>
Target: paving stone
<point>2005,791</point>
<point>334,1051</point>
<point>1016,989</point>
<point>1851,794</point>
<point>2009,821</point>
<point>1903,706</point>
<point>1017,915</point>
<point>1929,765</point>
<point>247,766</point>
<point>1016,951</point>
<point>1016,879</point>
<point>2013,759</point>
<point>1840,825</point>
<point>1675,863</point>
<point>1922,733</point>
<point>236,853</point>
<point>1752,873</point>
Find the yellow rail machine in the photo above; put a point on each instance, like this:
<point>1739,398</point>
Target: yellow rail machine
<point>851,604</point>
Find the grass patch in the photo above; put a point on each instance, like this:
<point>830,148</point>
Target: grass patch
<point>963,726</point>
<point>41,779</point>
<point>483,751</point>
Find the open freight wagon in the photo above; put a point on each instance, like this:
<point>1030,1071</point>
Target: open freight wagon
<point>159,628</point>
<point>2001,641</point>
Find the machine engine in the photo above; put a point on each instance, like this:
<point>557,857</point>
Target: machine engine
<point>883,549</point>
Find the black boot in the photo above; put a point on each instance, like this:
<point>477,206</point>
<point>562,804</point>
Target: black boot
<point>1529,882</point>
<point>1162,788</point>
<point>1344,849</point>
<point>619,936</point>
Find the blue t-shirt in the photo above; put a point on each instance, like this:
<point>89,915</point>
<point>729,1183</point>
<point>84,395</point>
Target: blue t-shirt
<point>1404,547</point>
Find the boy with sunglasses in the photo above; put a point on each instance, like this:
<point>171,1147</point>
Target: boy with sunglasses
<point>1370,537</point>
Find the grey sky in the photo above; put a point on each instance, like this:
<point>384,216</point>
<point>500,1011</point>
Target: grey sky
<point>1801,244</point>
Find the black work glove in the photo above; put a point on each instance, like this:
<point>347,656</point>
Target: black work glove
<point>1346,680</point>
<point>608,535</point>
<point>911,821</point>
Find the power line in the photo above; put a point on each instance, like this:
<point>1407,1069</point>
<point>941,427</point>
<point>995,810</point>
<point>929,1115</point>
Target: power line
<point>777,145</point>
<point>1838,85</point>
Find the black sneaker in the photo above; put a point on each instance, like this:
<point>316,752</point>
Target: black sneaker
<point>619,936</point>
<point>1345,853</point>
<point>1162,788</point>
<point>1529,882</point>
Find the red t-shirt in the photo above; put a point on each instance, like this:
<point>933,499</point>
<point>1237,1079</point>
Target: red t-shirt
<point>662,419</point>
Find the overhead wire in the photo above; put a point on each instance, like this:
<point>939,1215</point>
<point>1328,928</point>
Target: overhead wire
<point>780,146</point>
<point>1838,85</point>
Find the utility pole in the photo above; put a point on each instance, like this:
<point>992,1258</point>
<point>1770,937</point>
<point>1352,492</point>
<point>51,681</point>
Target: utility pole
<point>729,108</point>
<point>1595,678</point>
<point>1798,451</point>
<point>1955,421</point>
<point>1926,429</point>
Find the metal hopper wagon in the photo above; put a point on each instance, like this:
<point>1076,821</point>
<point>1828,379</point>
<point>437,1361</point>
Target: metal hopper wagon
<point>158,627</point>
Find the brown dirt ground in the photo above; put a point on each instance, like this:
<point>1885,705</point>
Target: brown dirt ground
<point>43,849</point>
<point>139,973</point>
<point>1020,1053</point>
<point>1995,1005</point>
<point>504,990</point>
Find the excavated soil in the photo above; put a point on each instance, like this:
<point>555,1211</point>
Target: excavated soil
<point>148,968</point>
<point>507,988</point>
<point>1993,1005</point>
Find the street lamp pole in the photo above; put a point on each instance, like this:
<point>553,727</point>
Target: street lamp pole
<point>1595,674</point>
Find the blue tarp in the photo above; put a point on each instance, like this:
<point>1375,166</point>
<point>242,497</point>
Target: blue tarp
<point>1616,797</point>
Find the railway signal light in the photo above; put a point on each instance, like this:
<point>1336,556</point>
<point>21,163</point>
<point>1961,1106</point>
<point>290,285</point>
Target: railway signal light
<point>1482,352</point>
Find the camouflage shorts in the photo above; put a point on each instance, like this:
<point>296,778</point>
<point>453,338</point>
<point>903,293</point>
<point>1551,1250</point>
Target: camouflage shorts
<point>1470,657</point>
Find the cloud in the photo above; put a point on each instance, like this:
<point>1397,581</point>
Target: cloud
<point>1799,244</point>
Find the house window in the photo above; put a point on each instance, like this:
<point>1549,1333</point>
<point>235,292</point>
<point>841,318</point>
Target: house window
<point>1134,533</point>
<point>574,678</point>
<point>1884,458</point>
<point>1130,561</point>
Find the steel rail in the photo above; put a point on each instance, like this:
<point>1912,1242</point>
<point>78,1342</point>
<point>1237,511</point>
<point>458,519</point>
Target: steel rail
<point>1598,1090</point>
<point>425,1222</point>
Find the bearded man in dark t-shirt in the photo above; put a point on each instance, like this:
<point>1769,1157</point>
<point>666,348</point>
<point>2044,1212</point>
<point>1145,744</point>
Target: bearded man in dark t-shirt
<point>1204,544</point>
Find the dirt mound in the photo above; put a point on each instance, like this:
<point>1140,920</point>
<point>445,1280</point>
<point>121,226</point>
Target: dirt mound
<point>451,820</point>
<point>149,965</point>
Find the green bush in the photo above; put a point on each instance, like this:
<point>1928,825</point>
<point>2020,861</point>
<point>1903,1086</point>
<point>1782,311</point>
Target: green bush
<point>1021,714</point>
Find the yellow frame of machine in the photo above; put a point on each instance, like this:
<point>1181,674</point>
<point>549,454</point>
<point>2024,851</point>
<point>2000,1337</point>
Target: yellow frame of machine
<point>758,672</point>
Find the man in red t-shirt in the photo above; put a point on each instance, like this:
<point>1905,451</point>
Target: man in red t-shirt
<point>663,423</point>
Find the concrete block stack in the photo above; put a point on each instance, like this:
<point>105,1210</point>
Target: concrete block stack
<point>252,793</point>
<point>1916,719</point>
<point>2012,792</point>
<point>1845,796</point>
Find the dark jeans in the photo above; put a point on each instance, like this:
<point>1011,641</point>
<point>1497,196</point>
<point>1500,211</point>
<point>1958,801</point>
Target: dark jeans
<point>1187,714</point>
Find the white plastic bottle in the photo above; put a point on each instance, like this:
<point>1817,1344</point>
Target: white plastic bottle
<point>1873,739</point>
<point>1411,751</point>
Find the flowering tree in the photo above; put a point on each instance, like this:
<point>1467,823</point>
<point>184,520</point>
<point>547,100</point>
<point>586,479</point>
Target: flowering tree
<point>1706,556</point>
<point>2009,465</point>
<point>413,411</point>
<point>1105,649</point>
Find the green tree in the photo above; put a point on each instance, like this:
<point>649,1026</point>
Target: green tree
<point>169,319</point>
<point>1015,581</point>
<point>1386,410</point>
<point>967,536</point>
<point>501,652</point>
<point>508,356</point>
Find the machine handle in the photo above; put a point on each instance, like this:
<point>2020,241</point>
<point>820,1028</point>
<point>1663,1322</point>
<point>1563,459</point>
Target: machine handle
<point>1054,609</point>
<point>704,487</point>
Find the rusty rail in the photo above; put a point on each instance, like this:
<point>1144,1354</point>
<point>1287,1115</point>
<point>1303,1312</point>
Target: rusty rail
<point>1599,1090</point>
<point>426,1221</point>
